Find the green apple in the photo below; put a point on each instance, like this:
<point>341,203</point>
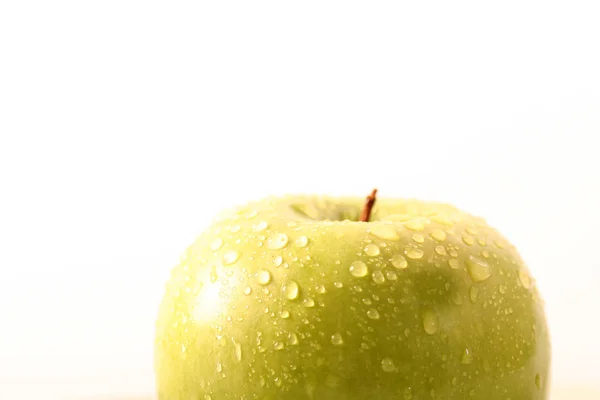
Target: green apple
<point>295,298</point>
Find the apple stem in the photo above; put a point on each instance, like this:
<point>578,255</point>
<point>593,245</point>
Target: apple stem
<point>369,202</point>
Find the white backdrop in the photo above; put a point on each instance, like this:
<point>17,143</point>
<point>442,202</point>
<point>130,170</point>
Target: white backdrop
<point>126,125</point>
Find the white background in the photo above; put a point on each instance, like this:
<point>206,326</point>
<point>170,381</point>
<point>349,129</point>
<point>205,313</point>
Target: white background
<point>126,125</point>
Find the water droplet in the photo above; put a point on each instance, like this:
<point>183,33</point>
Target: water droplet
<point>468,239</point>
<point>213,274</point>
<point>277,241</point>
<point>237,351</point>
<point>378,277</point>
<point>301,241</point>
<point>430,322</point>
<point>407,393</point>
<point>234,229</point>
<point>278,345</point>
<point>371,250</point>
<point>290,290</point>
<point>219,367</point>
<point>478,269</point>
<point>391,275</point>
<point>320,289</point>
<point>292,339</point>
<point>499,244</point>
<point>230,257</point>
<point>481,241</point>
<point>277,260</point>
<point>473,294</point>
<point>373,313</point>
<point>386,232</point>
<point>387,365</point>
<point>440,250</point>
<point>538,381</point>
<point>502,289</point>
<point>308,302</point>
<point>453,253</point>
<point>284,314</point>
<point>359,269</point>
<point>338,285</point>
<point>263,276</point>
<point>399,262</point>
<point>415,224</point>
<point>418,238</point>
<point>336,339</point>
<point>524,278</point>
<point>467,357</point>
<point>485,254</point>
<point>438,234</point>
<point>456,298</point>
<point>247,290</point>
<point>441,219</point>
<point>216,244</point>
<point>413,254</point>
<point>260,226</point>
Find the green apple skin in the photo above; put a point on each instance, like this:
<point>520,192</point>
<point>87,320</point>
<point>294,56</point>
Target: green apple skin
<point>293,298</point>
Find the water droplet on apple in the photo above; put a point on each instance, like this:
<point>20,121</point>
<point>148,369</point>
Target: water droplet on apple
<point>263,276</point>
<point>413,254</point>
<point>399,262</point>
<point>456,298</point>
<point>391,275</point>
<point>524,278</point>
<point>387,365</point>
<point>538,381</point>
<point>485,254</point>
<point>301,241</point>
<point>213,274</point>
<point>467,357</point>
<point>440,250</point>
<point>277,260</point>
<point>499,244</point>
<point>359,269</point>
<point>234,229</point>
<point>216,244</point>
<point>292,339</point>
<point>219,367</point>
<point>230,257</point>
<point>247,290</point>
<point>385,232</point>
<point>473,294</point>
<point>336,339</point>
<point>284,314</point>
<point>308,302</point>
<point>481,241</point>
<point>438,234</point>
<point>418,238</point>
<point>290,290</point>
<point>378,277</point>
<point>277,241</point>
<point>372,250</point>
<point>278,345</point>
<point>453,263</point>
<point>320,289</point>
<point>430,322</point>
<point>502,289</point>
<point>415,224</point>
<point>373,313</point>
<point>478,269</point>
<point>237,351</point>
<point>338,285</point>
<point>260,226</point>
<point>468,239</point>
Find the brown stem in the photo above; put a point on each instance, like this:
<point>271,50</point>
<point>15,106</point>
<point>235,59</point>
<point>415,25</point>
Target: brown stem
<point>369,202</point>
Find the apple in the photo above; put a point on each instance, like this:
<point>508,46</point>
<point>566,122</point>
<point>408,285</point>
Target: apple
<point>310,297</point>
